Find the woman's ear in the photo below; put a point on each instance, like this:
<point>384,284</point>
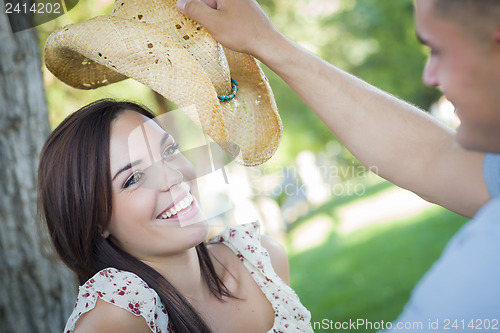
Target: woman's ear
<point>105,234</point>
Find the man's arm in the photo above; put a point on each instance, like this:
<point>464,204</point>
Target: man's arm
<point>405,145</point>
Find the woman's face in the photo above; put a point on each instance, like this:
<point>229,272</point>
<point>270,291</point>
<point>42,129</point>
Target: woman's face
<point>155,209</point>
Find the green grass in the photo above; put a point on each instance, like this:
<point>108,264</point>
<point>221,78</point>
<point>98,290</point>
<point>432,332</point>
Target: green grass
<point>368,273</point>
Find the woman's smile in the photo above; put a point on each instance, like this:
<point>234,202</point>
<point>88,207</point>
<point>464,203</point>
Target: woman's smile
<point>176,207</point>
<point>182,210</point>
<point>162,193</point>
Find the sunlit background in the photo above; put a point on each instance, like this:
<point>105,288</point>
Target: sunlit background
<point>357,244</point>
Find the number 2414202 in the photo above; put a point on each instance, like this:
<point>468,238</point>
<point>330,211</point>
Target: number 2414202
<point>35,8</point>
<point>475,324</point>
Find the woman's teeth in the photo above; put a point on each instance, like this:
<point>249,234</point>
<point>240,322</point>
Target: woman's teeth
<point>184,203</point>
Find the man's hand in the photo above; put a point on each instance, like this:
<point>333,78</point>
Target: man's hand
<point>407,146</point>
<point>240,25</point>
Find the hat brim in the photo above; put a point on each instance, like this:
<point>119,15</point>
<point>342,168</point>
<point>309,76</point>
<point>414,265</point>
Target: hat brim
<point>107,49</point>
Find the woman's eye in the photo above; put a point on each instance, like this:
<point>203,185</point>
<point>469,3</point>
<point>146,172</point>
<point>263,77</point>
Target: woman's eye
<point>170,150</point>
<point>133,179</point>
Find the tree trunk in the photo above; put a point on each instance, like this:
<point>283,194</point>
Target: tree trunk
<point>37,291</point>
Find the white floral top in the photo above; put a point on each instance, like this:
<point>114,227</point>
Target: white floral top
<point>244,241</point>
<point>130,292</point>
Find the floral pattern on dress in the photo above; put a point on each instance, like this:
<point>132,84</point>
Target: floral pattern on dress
<point>123,289</point>
<point>244,241</point>
<point>130,292</point>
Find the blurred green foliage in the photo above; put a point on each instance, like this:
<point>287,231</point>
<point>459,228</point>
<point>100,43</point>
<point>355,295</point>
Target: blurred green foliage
<point>394,59</point>
<point>370,272</point>
<point>373,39</point>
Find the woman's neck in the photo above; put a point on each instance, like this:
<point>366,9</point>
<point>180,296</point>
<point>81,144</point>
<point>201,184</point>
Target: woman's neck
<point>183,272</point>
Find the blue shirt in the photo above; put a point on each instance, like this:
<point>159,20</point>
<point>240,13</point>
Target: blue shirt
<point>461,291</point>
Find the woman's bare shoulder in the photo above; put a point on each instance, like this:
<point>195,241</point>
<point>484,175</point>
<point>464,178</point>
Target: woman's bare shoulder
<point>106,317</point>
<point>279,258</point>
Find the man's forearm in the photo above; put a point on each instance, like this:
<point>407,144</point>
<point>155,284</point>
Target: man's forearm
<point>407,146</point>
<point>404,144</point>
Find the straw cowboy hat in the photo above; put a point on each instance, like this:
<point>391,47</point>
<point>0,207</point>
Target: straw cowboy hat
<point>155,44</point>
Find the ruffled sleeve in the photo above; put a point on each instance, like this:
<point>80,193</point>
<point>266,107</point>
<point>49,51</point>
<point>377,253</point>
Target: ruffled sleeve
<point>125,290</point>
<point>244,241</point>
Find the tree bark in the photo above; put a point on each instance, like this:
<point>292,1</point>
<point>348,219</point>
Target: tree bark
<point>37,291</point>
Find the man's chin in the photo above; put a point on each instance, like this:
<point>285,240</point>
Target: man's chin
<point>478,141</point>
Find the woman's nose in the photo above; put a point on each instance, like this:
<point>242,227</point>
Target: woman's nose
<point>162,175</point>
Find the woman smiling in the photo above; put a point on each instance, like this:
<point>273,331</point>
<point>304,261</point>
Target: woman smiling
<point>122,207</point>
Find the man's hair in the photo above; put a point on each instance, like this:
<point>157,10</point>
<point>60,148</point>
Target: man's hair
<point>477,17</point>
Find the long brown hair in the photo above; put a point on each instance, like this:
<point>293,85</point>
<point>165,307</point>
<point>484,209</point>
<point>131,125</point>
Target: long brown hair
<point>75,200</point>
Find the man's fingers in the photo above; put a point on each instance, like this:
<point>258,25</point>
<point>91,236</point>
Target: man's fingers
<point>236,24</point>
<point>211,3</point>
<point>196,9</point>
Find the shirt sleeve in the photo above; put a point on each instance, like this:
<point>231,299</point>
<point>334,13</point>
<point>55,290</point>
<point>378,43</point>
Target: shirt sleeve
<point>491,171</point>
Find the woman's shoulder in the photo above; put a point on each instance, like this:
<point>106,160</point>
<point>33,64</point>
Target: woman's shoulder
<point>247,243</point>
<point>106,317</point>
<point>114,281</point>
<point>266,263</point>
<point>117,290</point>
<point>279,258</point>
<point>119,287</point>
<point>238,234</point>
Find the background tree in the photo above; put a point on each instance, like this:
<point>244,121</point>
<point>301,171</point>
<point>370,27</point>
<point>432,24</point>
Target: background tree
<point>37,292</point>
